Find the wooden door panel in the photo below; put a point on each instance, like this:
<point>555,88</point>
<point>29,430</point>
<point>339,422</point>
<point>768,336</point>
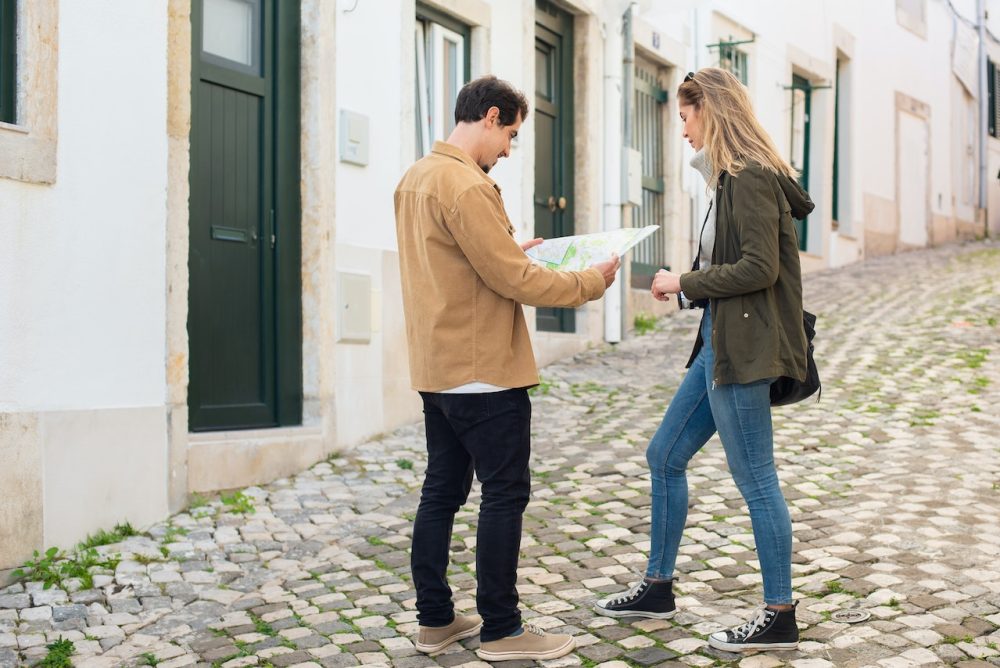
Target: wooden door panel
<point>231,295</point>
<point>553,140</point>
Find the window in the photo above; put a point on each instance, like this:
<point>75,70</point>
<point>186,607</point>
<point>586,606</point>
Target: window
<point>650,98</point>
<point>8,61</point>
<point>801,130</point>
<point>734,60</point>
<point>29,48</point>
<point>442,61</point>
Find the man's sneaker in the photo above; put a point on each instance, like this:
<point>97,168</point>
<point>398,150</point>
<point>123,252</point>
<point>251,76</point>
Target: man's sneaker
<point>433,639</point>
<point>769,629</point>
<point>645,599</point>
<point>533,644</point>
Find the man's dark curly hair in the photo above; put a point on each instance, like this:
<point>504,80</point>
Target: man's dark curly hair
<point>477,96</point>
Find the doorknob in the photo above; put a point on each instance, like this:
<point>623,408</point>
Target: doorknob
<point>552,203</point>
<point>562,202</point>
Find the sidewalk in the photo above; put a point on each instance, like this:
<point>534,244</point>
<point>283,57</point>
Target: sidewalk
<point>893,480</point>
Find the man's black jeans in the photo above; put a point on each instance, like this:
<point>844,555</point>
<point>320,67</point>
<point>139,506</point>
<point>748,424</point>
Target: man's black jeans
<point>488,433</point>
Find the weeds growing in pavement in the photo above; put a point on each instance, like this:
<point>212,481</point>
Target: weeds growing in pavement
<point>644,322</point>
<point>58,656</point>
<point>238,502</point>
<point>121,531</point>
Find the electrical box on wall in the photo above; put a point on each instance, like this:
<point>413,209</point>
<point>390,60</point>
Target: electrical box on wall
<point>353,137</point>
<point>632,186</point>
<point>354,308</point>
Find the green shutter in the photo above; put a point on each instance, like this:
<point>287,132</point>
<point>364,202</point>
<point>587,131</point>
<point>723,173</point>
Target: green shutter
<point>836,146</point>
<point>991,82</point>
<point>8,61</point>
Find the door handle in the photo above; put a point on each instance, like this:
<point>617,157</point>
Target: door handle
<point>552,203</point>
<point>562,203</point>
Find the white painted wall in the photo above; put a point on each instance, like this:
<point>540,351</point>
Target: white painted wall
<point>82,270</point>
<point>83,285</point>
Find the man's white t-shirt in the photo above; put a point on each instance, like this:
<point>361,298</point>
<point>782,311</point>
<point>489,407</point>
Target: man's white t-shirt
<point>474,387</point>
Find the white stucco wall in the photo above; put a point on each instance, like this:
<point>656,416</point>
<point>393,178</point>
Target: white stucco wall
<point>83,292</point>
<point>82,272</point>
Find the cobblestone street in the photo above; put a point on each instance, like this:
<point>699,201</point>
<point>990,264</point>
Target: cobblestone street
<point>893,480</point>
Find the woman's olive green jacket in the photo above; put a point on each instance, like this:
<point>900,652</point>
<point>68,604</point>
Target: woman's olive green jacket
<point>754,284</point>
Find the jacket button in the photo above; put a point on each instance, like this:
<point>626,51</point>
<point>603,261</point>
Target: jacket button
<point>746,315</point>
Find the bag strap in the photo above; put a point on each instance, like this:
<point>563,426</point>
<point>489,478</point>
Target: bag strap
<point>697,258</point>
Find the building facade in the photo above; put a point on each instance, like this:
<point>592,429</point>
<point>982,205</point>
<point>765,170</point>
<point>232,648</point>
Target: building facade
<point>200,281</point>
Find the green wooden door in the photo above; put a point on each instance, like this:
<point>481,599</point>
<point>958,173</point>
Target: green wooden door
<point>801,110</point>
<point>244,216</point>
<point>554,140</point>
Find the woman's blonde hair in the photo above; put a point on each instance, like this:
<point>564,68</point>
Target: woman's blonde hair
<point>731,133</point>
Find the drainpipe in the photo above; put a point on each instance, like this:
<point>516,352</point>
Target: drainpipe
<point>612,210</point>
<point>628,91</point>
<point>983,109</point>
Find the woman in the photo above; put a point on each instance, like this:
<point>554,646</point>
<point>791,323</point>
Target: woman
<point>748,281</point>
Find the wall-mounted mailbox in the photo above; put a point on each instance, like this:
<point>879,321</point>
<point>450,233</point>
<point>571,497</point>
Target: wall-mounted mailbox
<point>354,308</point>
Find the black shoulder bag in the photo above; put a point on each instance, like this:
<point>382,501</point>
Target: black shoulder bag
<point>786,390</point>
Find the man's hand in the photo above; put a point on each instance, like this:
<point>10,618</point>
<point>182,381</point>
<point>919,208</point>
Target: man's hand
<point>608,269</point>
<point>531,244</point>
<point>665,283</point>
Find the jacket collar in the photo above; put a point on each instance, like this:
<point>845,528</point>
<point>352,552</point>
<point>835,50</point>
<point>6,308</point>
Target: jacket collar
<point>451,151</point>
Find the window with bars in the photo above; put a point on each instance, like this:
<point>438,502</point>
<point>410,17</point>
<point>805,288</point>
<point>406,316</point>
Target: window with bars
<point>442,62</point>
<point>650,255</point>
<point>8,61</point>
<point>734,60</point>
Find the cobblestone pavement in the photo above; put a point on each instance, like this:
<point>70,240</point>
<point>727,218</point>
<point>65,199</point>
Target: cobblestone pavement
<point>892,479</point>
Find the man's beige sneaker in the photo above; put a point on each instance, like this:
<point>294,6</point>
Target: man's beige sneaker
<point>532,645</point>
<point>434,639</point>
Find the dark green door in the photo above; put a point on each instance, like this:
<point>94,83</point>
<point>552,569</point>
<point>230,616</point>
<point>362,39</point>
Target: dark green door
<point>801,110</point>
<point>245,368</point>
<point>553,140</point>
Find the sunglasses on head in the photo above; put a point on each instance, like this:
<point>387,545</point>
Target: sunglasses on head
<point>689,77</point>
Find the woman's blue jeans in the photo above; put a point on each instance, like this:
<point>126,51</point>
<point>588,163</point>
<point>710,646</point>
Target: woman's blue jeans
<point>742,416</point>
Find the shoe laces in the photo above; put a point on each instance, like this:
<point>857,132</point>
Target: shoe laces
<point>756,623</point>
<point>531,628</point>
<point>634,590</point>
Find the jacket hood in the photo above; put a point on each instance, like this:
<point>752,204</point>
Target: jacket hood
<point>798,199</point>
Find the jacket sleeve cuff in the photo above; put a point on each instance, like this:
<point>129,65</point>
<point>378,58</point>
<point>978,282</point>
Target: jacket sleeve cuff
<point>594,282</point>
<point>690,285</point>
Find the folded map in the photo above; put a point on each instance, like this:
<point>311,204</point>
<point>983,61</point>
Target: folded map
<point>582,250</point>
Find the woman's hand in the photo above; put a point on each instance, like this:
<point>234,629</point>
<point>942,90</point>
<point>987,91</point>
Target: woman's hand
<point>665,283</point>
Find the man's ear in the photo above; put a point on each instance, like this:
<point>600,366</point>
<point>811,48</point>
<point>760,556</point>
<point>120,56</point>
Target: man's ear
<point>492,116</point>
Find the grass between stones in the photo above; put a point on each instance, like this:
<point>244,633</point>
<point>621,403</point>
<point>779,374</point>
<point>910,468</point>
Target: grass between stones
<point>58,655</point>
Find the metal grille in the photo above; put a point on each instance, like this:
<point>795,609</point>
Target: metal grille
<point>734,60</point>
<point>650,255</point>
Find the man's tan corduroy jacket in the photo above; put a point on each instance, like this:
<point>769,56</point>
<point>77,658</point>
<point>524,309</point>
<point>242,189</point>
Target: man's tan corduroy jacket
<point>464,278</point>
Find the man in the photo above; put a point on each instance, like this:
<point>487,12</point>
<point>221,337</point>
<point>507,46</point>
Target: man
<point>464,280</point>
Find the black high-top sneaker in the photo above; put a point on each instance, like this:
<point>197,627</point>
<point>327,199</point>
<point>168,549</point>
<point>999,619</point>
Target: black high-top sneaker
<point>654,600</point>
<point>768,629</point>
